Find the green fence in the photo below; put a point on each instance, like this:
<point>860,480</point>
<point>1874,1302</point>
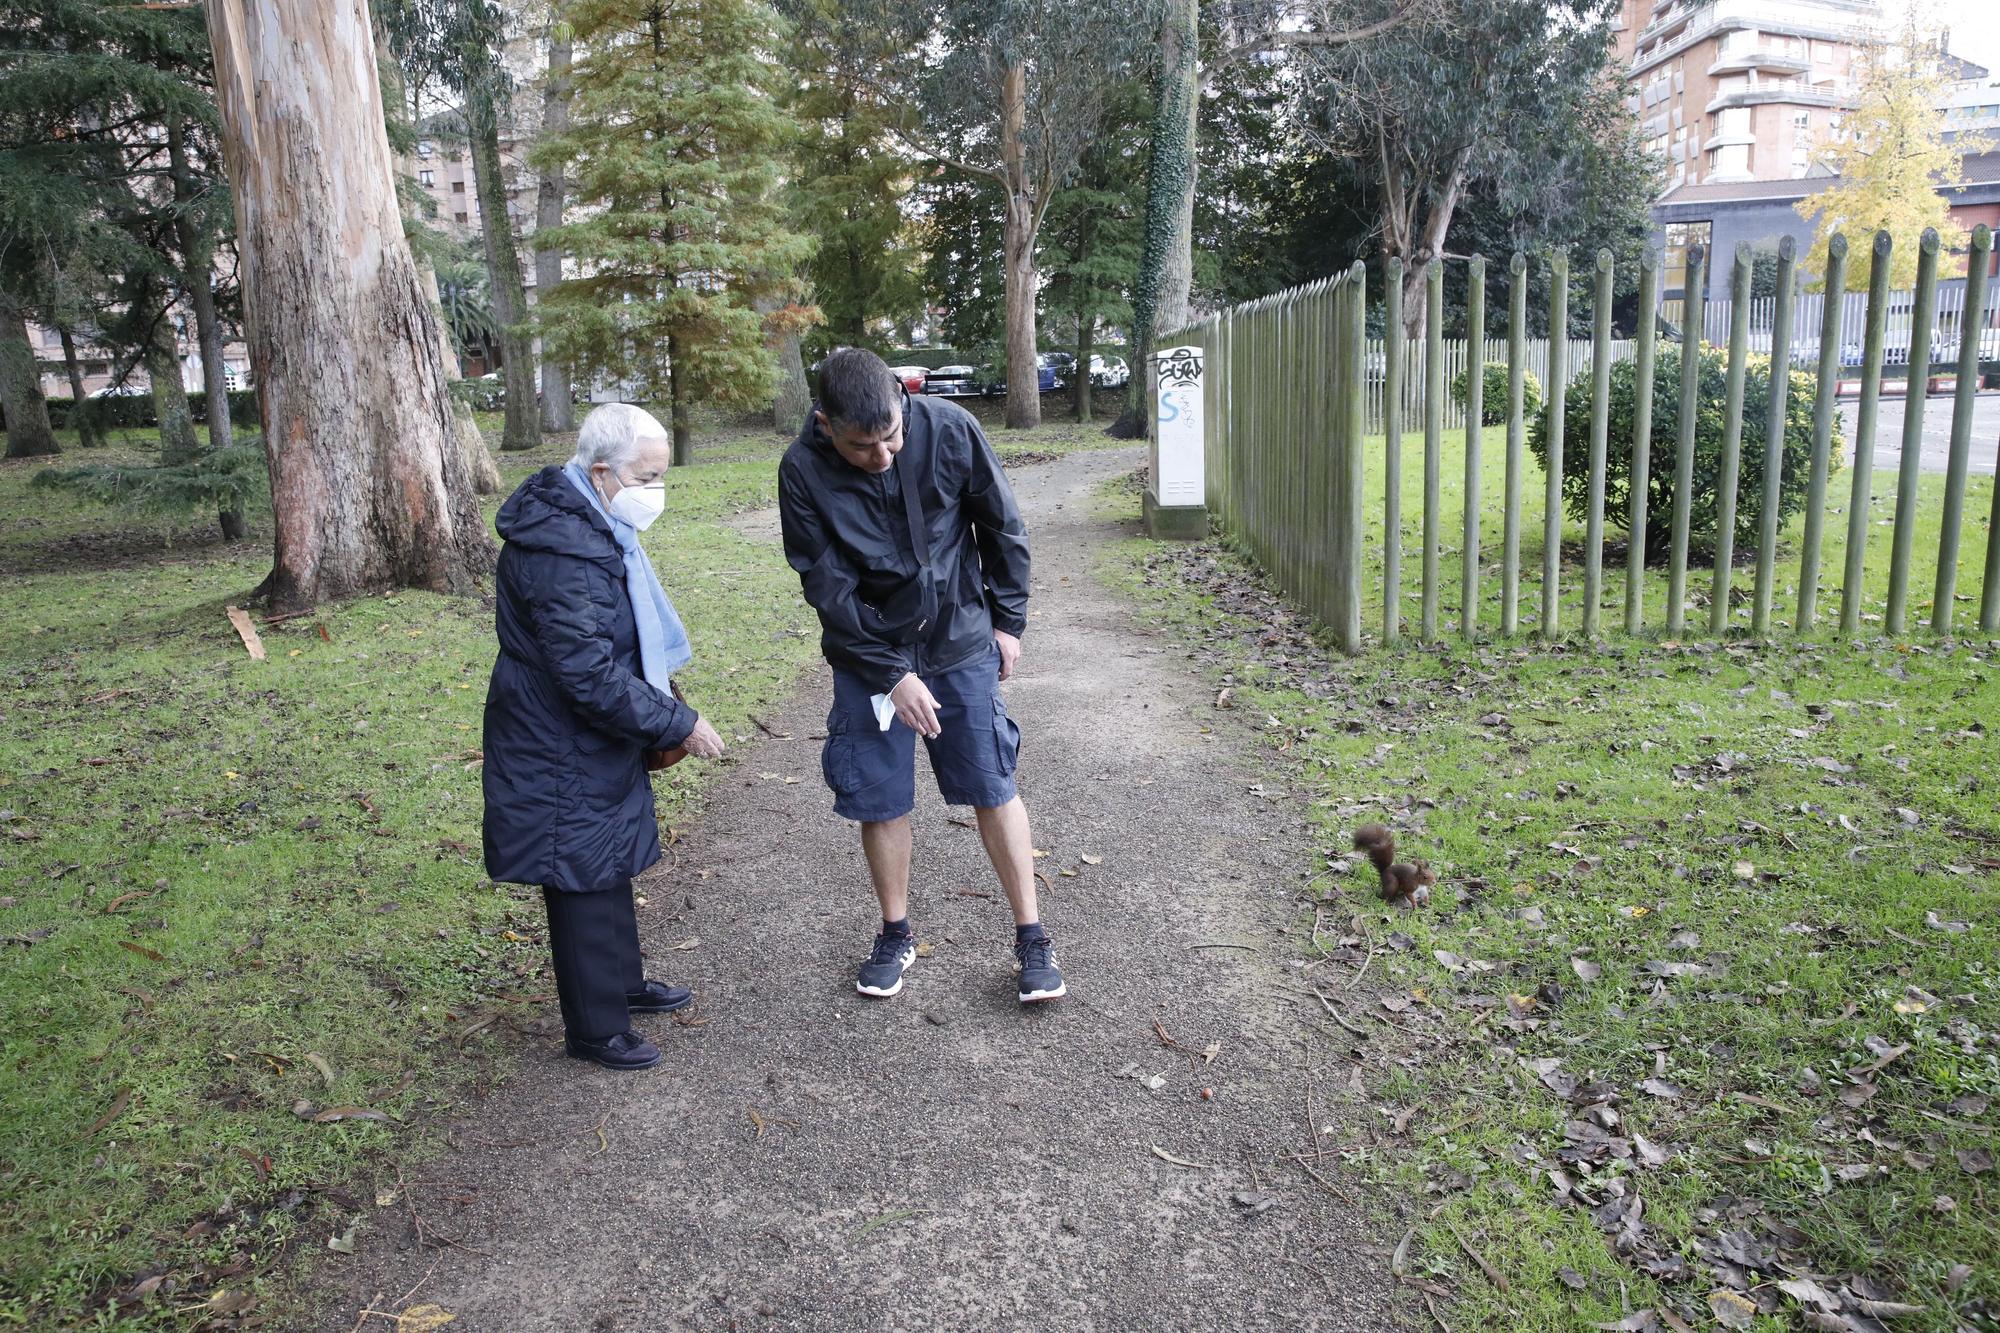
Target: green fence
<point>1295,388</point>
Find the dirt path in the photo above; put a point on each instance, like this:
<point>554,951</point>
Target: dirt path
<point>941,1160</point>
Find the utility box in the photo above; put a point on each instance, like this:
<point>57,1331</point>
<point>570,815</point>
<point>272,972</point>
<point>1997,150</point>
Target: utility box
<point>1177,489</point>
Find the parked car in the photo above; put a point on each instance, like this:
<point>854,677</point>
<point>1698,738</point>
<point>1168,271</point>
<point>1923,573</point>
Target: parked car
<point>952,382</point>
<point>1064,366</point>
<point>912,376</point>
<point>1110,372</point>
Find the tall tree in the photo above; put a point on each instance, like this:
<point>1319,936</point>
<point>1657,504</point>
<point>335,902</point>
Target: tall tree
<point>551,195</point>
<point>368,485</point>
<point>200,209</point>
<point>1481,90</point>
<point>959,229</point>
<point>673,149</point>
<point>1092,237</point>
<point>28,429</point>
<point>849,181</point>
<point>1011,90</point>
<point>1890,164</point>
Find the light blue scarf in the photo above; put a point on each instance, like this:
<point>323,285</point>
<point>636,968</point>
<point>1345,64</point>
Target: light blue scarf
<point>663,643</point>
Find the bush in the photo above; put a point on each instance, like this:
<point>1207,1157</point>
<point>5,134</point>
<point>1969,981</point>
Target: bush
<point>1493,394</point>
<point>135,411</point>
<point>1707,447</point>
<point>225,480</point>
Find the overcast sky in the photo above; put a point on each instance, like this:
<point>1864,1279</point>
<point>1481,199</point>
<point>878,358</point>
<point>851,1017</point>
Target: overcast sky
<point>1974,24</point>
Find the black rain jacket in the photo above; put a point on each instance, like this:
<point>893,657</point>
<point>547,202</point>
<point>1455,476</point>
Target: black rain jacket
<point>569,714</point>
<point>848,536</point>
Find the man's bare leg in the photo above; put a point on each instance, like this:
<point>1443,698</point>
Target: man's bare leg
<point>887,847</point>
<point>1011,848</point>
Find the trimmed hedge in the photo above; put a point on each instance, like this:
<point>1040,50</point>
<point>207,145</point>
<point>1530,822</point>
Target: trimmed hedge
<point>1493,394</point>
<point>135,411</point>
<point>1712,387</point>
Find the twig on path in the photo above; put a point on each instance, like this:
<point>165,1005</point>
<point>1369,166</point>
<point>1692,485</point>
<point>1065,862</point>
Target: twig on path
<point>1434,1313</point>
<point>768,729</point>
<point>1251,948</point>
<point>899,1215</point>
<point>1337,1017</point>
<point>1493,1275</point>
<point>1166,1156</point>
<point>1355,980</point>
<point>366,1310</point>
<point>603,1144</point>
<point>404,1299</point>
<point>1322,1181</point>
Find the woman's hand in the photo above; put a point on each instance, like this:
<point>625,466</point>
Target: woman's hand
<point>702,742</point>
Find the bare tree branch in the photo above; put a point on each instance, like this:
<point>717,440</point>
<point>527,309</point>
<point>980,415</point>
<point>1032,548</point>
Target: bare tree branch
<point>1277,41</point>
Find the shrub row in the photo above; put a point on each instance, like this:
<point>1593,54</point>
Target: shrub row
<point>131,411</point>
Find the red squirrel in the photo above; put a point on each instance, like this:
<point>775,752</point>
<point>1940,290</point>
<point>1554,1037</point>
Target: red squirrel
<point>1402,883</point>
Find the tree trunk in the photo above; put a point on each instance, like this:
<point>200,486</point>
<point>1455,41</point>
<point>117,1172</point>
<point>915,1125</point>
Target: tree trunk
<point>558,414</point>
<point>1166,260</point>
<point>87,433</point>
<point>29,433</point>
<point>368,487</point>
<point>1086,344</point>
<point>198,255</point>
<point>1024,377</point>
<point>794,397</point>
<point>179,444</point>
<point>677,393</point>
<point>479,462</point>
<point>1442,202</point>
<point>521,429</point>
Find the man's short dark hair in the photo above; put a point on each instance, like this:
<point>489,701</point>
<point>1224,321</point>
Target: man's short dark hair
<point>856,389</point>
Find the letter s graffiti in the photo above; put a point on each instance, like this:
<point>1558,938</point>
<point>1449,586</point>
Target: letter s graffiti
<point>1170,408</point>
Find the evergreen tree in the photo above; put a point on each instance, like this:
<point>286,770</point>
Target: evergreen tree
<point>673,150</point>
<point>958,230</point>
<point>849,183</point>
<point>1889,166</point>
<point>1092,237</point>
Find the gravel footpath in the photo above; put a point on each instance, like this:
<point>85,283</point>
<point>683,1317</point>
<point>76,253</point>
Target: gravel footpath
<point>805,1158</point>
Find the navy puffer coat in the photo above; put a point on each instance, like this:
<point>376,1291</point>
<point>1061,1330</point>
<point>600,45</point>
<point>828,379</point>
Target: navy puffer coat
<point>568,714</point>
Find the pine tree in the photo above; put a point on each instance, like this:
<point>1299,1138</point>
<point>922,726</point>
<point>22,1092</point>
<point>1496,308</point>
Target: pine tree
<point>1890,164</point>
<point>1093,235</point>
<point>672,150</point>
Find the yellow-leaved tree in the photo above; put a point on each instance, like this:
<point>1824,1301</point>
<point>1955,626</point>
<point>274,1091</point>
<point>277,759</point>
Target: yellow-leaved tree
<point>1890,165</point>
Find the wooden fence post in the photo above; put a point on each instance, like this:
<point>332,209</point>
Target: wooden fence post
<point>1352,335</point>
<point>1510,521</point>
<point>1642,441</point>
<point>1392,449</point>
<point>1600,419</point>
<point>1433,435</point>
<point>1774,436</point>
<point>1970,328</point>
<point>1552,517</point>
<point>1904,535</point>
<point>1475,409</point>
<point>1861,494</point>
<point>1732,442</point>
<point>1693,321</point>
<point>1825,401</point>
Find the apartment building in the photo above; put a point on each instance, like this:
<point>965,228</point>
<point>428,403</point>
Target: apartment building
<point>1742,90</point>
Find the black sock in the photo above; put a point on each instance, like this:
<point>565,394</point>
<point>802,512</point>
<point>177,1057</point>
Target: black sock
<point>1032,931</point>
<point>901,927</point>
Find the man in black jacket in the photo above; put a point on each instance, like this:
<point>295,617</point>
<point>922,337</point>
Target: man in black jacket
<point>899,521</point>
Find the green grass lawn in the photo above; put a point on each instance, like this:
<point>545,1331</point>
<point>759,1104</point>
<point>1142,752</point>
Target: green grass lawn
<point>1710,976</point>
<point>231,887</point>
<point>1493,472</point>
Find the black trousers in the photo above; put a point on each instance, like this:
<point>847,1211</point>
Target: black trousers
<point>594,943</point>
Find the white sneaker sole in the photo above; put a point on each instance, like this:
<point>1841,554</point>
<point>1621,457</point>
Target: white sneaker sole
<point>883,993</point>
<point>1037,996</point>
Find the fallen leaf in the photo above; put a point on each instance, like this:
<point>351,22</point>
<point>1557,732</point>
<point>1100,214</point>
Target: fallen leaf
<point>1974,1161</point>
<point>1659,1087</point>
<point>1585,969</point>
<point>118,1105</point>
<point>1743,870</point>
<point>344,1242</point>
<point>1254,1201</point>
<point>423,1318</point>
<point>143,951</point>
<point>1090,860</point>
<point>318,1062</point>
<point>333,1113</point>
<point>1732,1310</point>
<point>1166,1156</point>
<point>247,632</point>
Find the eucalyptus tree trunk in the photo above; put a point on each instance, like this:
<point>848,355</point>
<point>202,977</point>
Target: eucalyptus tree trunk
<point>520,429</point>
<point>369,488</point>
<point>29,433</point>
<point>1024,378</point>
<point>1166,260</point>
<point>485,472</point>
<point>558,413</point>
<point>88,433</point>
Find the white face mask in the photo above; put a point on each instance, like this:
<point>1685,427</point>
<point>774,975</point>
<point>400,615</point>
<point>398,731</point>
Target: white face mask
<point>639,505</point>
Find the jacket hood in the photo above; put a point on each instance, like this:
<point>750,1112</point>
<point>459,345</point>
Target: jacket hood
<point>546,514</point>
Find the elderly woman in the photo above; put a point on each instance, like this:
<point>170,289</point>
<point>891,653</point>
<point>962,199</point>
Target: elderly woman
<point>581,706</point>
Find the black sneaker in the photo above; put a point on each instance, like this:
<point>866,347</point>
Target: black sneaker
<point>659,998</point>
<point>622,1051</point>
<point>1035,960</point>
<point>882,974</point>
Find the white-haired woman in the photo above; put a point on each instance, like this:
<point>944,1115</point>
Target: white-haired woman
<point>580,706</point>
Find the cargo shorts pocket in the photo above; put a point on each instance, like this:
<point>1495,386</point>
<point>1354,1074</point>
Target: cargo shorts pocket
<point>1006,739</point>
<point>839,763</point>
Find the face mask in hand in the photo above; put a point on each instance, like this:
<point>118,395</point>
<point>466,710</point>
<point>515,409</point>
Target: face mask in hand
<point>639,505</point>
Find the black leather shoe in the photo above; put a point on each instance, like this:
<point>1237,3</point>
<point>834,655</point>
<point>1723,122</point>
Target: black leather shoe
<point>625,1051</point>
<point>659,998</point>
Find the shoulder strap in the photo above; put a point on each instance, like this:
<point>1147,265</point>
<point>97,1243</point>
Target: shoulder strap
<point>920,532</point>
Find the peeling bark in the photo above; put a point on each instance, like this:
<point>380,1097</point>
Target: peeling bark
<point>369,489</point>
